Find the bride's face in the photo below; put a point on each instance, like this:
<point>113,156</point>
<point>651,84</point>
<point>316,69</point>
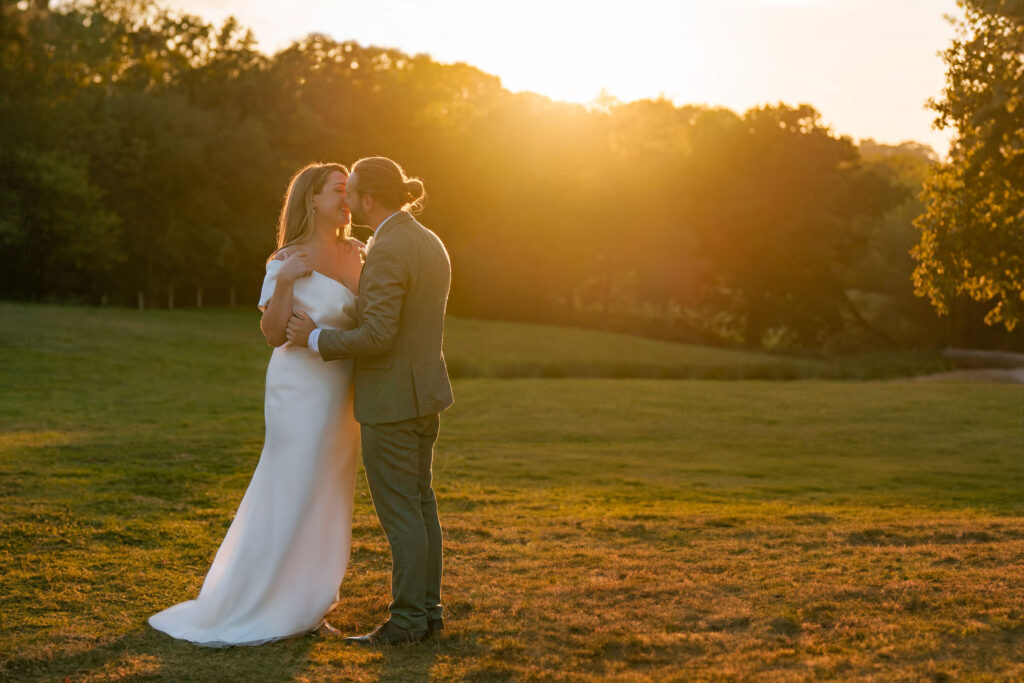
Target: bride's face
<point>330,201</point>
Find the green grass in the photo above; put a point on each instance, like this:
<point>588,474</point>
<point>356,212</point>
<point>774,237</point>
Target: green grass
<point>624,529</point>
<point>478,348</point>
<point>474,348</point>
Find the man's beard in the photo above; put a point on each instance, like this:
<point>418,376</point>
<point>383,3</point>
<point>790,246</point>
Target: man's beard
<point>358,217</point>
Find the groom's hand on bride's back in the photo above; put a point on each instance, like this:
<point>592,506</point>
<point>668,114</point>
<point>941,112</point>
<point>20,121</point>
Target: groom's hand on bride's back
<point>299,327</point>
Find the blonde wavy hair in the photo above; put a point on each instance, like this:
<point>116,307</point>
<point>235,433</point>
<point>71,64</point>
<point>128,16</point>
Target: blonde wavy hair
<point>296,221</point>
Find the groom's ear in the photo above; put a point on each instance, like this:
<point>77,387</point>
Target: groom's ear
<point>368,205</point>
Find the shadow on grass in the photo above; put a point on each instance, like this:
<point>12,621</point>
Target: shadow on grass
<point>147,654</point>
<point>151,655</point>
<point>409,663</point>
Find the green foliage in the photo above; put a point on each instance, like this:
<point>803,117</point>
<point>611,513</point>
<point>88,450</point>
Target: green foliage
<point>685,223</point>
<point>881,269</point>
<point>54,227</point>
<point>775,216</point>
<point>972,236</point>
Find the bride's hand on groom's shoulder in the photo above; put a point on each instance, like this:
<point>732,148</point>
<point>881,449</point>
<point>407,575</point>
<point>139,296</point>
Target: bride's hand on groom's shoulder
<point>295,266</point>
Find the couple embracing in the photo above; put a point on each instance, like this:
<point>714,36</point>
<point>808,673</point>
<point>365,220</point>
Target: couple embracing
<point>357,331</point>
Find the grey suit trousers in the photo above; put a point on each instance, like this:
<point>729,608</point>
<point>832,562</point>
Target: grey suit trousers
<point>397,457</point>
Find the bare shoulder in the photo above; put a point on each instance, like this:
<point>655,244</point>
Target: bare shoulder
<point>353,249</point>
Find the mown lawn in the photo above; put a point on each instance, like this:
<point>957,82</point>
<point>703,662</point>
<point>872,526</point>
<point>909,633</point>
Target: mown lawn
<point>623,529</point>
<point>474,348</point>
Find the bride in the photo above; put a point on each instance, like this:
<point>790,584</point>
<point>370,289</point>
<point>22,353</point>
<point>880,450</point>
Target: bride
<point>278,570</point>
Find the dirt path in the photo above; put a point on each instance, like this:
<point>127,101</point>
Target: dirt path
<point>997,375</point>
<point>981,366</point>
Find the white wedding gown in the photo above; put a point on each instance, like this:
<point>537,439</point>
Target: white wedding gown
<point>278,570</point>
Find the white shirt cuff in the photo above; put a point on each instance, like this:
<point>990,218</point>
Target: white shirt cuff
<point>314,338</point>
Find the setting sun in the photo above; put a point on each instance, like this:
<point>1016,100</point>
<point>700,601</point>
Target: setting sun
<point>868,67</point>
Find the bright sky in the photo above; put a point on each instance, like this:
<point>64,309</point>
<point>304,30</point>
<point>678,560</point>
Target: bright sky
<point>867,65</point>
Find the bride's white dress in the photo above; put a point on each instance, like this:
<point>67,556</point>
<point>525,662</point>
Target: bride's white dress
<point>278,570</point>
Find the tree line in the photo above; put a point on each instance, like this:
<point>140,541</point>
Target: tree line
<point>144,154</point>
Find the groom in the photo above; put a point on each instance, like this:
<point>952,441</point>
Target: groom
<point>401,385</point>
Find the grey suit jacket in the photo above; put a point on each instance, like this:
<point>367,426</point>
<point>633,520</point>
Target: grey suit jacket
<point>400,371</point>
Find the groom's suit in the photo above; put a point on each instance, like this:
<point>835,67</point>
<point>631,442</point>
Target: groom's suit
<point>401,385</point>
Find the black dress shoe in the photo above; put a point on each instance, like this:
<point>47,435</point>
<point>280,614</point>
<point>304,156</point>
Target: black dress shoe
<point>387,633</point>
<point>434,628</point>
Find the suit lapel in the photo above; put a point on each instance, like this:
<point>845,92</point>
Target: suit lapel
<point>402,218</point>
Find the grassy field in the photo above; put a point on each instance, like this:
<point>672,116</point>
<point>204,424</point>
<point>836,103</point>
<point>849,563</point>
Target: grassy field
<point>500,349</point>
<point>596,529</point>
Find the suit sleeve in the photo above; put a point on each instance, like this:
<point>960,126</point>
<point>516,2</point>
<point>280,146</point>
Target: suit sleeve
<point>384,287</point>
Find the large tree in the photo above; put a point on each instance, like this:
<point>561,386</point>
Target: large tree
<point>777,203</point>
<point>972,233</point>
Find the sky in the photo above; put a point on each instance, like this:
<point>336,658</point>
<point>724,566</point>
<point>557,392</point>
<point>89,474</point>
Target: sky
<point>868,66</point>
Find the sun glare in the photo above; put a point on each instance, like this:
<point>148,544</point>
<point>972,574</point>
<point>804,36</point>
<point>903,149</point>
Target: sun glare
<point>566,50</point>
<point>839,56</point>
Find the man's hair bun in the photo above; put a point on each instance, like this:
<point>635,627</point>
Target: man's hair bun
<point>385,180</point>
<point>414,189</point>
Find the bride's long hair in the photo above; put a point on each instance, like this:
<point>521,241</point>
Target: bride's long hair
<point>296,221</point>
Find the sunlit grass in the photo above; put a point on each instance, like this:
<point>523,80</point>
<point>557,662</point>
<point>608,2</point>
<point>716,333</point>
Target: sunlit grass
<point>474,348</point>
<point>595,528</point>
